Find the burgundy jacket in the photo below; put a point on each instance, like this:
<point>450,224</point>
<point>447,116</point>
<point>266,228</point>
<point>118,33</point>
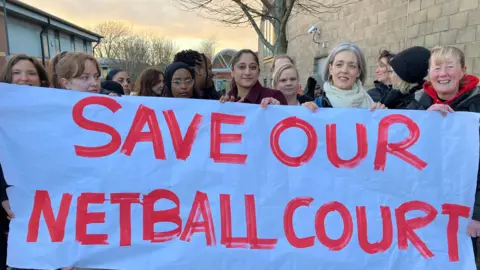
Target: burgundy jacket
<point>257,93</point>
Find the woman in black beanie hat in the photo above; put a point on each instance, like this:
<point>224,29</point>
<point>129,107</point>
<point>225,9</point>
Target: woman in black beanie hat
<point>179,81</point>
<point>409,69</point>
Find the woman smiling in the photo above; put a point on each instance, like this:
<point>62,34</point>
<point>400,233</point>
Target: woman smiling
<point>22,69</point>
<point>344,76</point>
<point>286,81</point>
<point>451,89</point>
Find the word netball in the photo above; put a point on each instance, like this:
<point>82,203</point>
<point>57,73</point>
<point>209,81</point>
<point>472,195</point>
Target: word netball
<point>200,221</point>
<point>149,183</point>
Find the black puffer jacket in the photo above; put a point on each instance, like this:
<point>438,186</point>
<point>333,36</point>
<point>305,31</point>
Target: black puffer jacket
<point>304,98</point>
<point>395,99</point>
<point>211,93</point>
<point>379,91</point>
<point>4,222</point>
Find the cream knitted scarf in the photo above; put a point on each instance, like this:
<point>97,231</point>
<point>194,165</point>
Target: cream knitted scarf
<point>357,97</point>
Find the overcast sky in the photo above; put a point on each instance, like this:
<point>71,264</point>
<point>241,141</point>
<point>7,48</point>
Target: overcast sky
<point>160,16</point>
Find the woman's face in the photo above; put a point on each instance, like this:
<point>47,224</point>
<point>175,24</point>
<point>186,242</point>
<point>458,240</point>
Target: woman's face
<point>182,84</point>
<point>246,71</point>
<point>123,78</point>
<point>383,71</point>
<point>446,75</point>
<point>394,79</point>
<point>89,81</point>
<point>344,70</point>
<point>158,88</point>
<point>288,82</point>
<point>25,73</point>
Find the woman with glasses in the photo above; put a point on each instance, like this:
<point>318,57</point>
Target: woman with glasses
<point>179,81</point>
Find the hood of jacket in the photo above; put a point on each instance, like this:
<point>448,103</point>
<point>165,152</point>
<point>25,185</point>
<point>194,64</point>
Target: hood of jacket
<point>470,83</point>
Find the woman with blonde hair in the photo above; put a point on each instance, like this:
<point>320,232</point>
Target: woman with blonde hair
<point>409,69</point>
<point>79,72</point>
<point>451,89</point>
<point>345,73</point>
<point>286,81</point>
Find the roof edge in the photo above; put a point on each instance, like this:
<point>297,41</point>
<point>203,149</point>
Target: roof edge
<point>51,16</point>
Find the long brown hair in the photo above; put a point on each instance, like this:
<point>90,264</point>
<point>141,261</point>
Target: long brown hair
<point>72,65</point>
<point>6,74</point>
<point>148,78</point>
<point>52,71</point>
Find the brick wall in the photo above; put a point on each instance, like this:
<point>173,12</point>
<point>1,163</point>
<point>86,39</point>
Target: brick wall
<point>389,24</point>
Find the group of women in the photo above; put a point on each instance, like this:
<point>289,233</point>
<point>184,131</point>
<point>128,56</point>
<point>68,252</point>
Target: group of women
<point>416,79</point>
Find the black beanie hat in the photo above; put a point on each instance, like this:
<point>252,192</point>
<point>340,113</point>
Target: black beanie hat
<point>170,70</point>
<point>411,65</point>
<point>113,86</point>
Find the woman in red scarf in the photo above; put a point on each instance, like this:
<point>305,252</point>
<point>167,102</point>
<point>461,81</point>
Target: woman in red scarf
<point>451,89</point>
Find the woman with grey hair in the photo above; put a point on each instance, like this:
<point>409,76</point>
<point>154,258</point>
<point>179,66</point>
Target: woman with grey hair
<point>344,76</point>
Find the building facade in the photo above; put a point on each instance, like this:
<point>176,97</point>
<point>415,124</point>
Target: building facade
<point>26,29</point>
<point>222,69</point>
<point>381,24</point>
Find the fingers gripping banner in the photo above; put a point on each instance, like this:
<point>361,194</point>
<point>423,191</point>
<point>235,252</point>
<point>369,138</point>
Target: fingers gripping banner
<point>159,183</point>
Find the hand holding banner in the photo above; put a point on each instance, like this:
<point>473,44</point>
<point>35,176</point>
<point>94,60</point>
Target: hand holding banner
<point>158,183</point>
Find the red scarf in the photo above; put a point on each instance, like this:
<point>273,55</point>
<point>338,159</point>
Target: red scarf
<point>470,82</point>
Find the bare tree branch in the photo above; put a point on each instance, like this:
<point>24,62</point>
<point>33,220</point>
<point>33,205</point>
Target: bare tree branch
<point>252,12</point>
<point>254,24</point>
<point>113,33</point>
<point>133,52</point>
<point>208,47</point>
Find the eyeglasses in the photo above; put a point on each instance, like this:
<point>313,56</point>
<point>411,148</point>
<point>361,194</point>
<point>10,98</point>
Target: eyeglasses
<point>180,82</point>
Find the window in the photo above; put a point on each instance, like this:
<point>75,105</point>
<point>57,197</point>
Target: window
<point>72,43</point>
<point>85,47</point>
<point>57,42</point>
<point>269,34</point>
<point>46,52</point>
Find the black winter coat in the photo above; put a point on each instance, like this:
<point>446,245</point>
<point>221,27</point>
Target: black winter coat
<point>395,99</point>
<point>379,91</point>
<point>4,222</point>
<point>466,101</point>
<point>304,98</point>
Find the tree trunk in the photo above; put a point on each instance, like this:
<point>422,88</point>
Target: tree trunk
<point>281,45</point>
<point>281,42</point>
